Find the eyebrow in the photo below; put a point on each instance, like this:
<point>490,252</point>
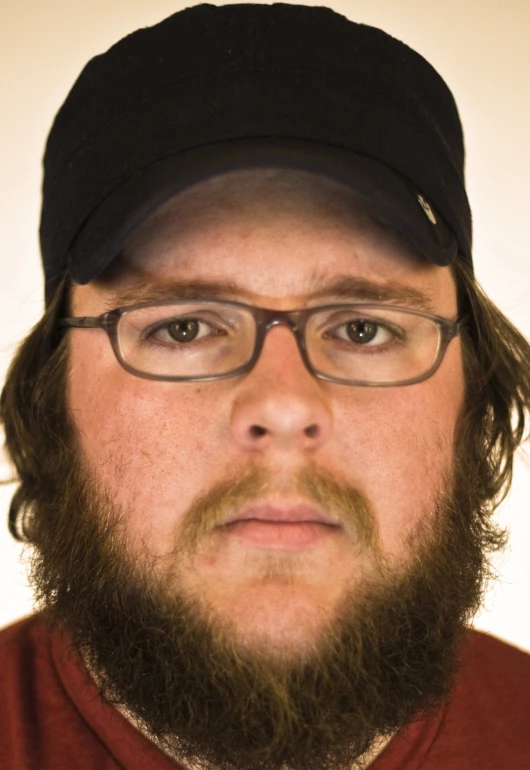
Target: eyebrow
<point>345,287</point>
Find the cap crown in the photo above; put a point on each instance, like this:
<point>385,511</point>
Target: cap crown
<point>210,74</point>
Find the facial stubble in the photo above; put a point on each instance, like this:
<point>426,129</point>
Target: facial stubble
<point>389,654</point>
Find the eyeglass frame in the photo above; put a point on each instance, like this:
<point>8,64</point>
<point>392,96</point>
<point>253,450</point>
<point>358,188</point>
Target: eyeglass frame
<point>265,319</point>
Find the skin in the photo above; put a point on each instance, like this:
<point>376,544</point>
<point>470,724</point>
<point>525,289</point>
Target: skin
<point>157,447</point>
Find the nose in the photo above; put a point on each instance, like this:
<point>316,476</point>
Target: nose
<point>280,405</point>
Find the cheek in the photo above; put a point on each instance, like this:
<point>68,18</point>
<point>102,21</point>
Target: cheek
<point>153,445</point>
<point>399,444</point>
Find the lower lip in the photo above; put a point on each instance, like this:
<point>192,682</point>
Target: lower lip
<point>289,535</point>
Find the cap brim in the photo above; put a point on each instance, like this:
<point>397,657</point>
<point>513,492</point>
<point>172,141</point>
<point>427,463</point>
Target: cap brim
<point>390,195</point>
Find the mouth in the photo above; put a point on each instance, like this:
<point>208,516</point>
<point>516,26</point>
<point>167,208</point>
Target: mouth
<point>288,528</point>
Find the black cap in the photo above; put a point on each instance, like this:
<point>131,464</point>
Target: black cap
<point>216,88</point>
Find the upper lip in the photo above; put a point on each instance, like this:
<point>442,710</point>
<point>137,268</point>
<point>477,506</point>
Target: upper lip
<point>297,513</point>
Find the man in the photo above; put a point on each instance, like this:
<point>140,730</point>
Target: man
<point>267,416</point>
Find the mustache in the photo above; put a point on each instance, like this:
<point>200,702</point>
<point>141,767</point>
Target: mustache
<point>350,508</point>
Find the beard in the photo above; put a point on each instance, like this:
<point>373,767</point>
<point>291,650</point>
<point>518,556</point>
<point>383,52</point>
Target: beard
<point>388,656</point>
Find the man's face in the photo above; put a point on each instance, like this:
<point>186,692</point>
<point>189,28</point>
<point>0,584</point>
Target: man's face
<point>158,447</point>
<point>179,457</point>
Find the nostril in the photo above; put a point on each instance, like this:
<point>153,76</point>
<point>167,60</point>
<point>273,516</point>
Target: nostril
<point>311,431</point>
<point>257,431</point>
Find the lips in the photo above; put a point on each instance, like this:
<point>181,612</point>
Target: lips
<point>288,528</point>
<point>294,514</point>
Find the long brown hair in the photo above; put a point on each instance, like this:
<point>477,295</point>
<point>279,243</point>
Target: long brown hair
<point>38,433</point>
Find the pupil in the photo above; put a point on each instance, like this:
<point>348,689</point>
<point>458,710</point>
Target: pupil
<point>183,331</point>
<point>361,331</point>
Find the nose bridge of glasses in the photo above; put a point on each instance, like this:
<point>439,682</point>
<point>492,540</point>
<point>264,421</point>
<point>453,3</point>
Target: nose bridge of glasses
<point>290,319</point>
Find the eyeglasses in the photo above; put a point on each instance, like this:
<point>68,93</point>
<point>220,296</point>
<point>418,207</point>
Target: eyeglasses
<point>203,340</point>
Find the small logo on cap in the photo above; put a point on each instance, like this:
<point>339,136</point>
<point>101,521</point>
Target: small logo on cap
<point>426,206</point>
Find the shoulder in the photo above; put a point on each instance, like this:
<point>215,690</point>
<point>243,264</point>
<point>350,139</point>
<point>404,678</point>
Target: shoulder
<point>495,677</point>
<point>24,657</point>
<point>52,717</point>
<point>494,680</point>
<point>20,644</point>
<point>489,662</point>
<point>29,690</point>
<point>487,717</point>
<point>19,630</point>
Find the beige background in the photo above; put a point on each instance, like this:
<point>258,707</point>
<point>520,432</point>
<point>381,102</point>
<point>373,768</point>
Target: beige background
<point>479,46</point>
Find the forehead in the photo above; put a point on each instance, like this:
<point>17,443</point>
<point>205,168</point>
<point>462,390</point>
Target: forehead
<point>270,233</point>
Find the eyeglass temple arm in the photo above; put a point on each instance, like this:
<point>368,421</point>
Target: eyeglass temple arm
<point>84,322</point>
<point>460,323</point>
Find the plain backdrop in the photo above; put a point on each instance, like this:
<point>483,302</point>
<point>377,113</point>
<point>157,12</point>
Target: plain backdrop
<point>479,46</point>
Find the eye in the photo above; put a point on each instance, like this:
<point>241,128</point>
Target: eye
<point>363,332</point>
<point>183,330</point>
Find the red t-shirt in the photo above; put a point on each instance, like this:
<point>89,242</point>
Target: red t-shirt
<point>51,717</point>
